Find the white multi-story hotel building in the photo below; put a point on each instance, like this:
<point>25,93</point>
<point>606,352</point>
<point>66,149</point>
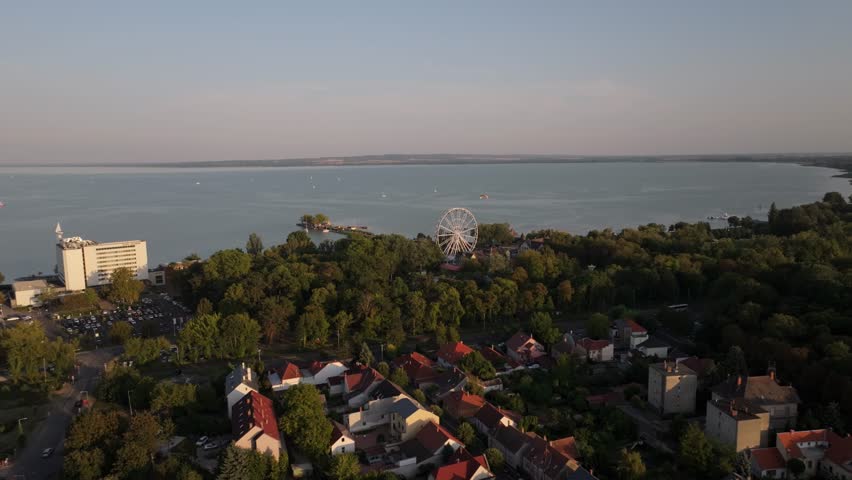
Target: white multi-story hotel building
<point>84,263</point>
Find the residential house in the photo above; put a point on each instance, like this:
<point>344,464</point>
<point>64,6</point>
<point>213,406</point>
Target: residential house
<point>342,440</point>
<point>463,466</point>
<point>418,367</point>
<point>427,447</point>
<point>358,383</point>
<point>238,383</point>
<point>449,354</point>
<point>595,350</point>
<point>672,387</point>
<point>318,373</point>
<point>766,391</point>
<point>629,334</point>
<point>564,346</point>
<point>512,443</point>
<point>737,423</point>
<point>524,349</point>
<point>403,416</point>
<point>489,418</point>
<point>654,347</point>
<point>823,453</point>
<point>461,405</point>
<point>285,377</point>
<point>502,364</point>
<point>452,380</point>
<point>255,426</point>
<point>545,461</point>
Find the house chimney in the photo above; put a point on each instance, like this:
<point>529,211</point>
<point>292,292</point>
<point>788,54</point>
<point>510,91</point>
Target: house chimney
<point>739,380</point>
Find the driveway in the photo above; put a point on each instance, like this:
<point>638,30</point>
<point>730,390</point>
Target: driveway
<point>51,432</point>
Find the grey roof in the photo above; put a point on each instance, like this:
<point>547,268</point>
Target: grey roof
<point>580,474</point>
<point>29,285</point>
<point>511,438</point>
<point>404,407</point>
<point>762,390</point>
<point>386,389</point>
<point>653,342</point>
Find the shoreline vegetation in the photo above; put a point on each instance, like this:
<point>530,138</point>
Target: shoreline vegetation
<point>839,161</point>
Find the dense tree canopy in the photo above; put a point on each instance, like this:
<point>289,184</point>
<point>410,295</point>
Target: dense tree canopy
<point>304,420</point>
<point>779,289</point>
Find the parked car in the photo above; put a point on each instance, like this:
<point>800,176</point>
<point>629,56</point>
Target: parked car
<point>211,446</point>
<point>47,452</point>
<point>201,441</point>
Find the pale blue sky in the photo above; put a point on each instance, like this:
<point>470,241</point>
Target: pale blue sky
<point>180,81</point>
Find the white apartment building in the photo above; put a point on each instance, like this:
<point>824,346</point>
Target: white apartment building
<point>85,263</point>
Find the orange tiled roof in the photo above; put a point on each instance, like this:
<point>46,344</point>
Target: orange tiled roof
<point>768,458</point>
<point>453,352</point>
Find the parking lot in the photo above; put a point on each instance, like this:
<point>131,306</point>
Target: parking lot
<point>155,315</point>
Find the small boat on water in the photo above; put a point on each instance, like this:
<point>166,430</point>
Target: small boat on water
<point>483,196</point>
<point>325,230</point>
<point>384,195</point>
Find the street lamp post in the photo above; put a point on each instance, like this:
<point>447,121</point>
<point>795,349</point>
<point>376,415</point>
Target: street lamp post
<point>21,427</point>
<point>129,402</point>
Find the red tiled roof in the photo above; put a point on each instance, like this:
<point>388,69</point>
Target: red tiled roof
<point>421,358</point>
<point>462,470</point>
<point>567,446</point>
<point>433,437</point>
<point>768,458</point>
<point>492,355</point>
<point>543,454</point>
<point>463,404</point>
<point>416,366</point>
<point>254,410</point>
<point>840,450</point>
<point>790,440</point>
<point>635,327</point>
<point>289,371</point>
<point>359,378</point>
<point>517,341</point>
<point>593,345</point>
<point>453,352</point>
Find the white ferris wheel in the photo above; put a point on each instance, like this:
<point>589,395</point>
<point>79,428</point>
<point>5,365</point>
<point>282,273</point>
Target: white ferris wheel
<point>456,232</point>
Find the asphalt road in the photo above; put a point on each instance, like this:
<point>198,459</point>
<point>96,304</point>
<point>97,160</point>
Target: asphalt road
<point>29,465</point>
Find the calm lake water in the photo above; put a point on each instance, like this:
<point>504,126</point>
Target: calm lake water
<point>179,211</point>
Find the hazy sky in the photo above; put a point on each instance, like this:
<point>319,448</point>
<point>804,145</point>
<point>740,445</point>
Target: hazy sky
<point>178,81</point>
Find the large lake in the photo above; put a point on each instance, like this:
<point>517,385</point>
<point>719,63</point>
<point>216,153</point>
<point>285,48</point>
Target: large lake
<point>179,211</point>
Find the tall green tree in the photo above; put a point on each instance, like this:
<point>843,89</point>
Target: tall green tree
<point>542,328</point>
<point>238,336</point>
<point>198,337</point>
<point>254,245</point>
<point>597,326</point>
<point>304,420</point>
<point>124,288</point>
<point>344,467</point>
<point>695,451</point>
<point>120,332</point>
<point>630,465</point>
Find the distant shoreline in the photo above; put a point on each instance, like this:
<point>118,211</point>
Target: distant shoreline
<point>838,161</point>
